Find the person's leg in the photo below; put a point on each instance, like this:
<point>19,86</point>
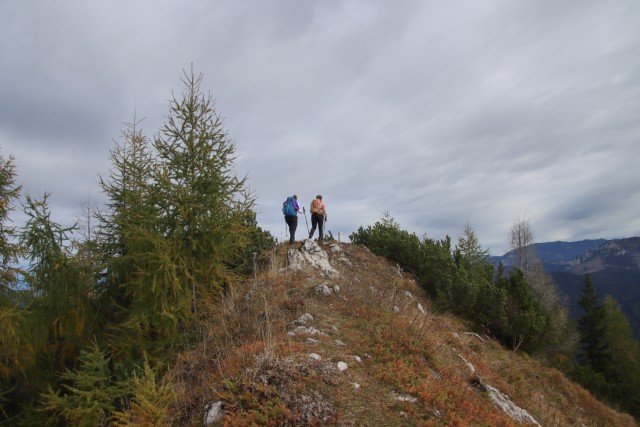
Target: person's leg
<point>321,226</point>
<point>314,224</point>
<point>293,225</point>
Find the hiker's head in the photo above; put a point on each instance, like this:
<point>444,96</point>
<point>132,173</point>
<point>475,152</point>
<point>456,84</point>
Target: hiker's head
<point>295,196</point>
<point>319,197</point>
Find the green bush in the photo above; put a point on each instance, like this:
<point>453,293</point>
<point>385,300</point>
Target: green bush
<point>460,280</point>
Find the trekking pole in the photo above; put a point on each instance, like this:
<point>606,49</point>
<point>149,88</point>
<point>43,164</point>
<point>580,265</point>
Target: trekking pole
<point>286,230</point>
<point>305,218</point>
<point>324,224</point>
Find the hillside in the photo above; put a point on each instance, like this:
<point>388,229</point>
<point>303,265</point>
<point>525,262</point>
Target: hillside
<point>334,335</point>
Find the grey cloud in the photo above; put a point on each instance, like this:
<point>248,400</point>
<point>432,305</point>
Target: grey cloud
<point>441,113</point>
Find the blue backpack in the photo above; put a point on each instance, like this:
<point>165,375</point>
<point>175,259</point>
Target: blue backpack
<point>287,207</point>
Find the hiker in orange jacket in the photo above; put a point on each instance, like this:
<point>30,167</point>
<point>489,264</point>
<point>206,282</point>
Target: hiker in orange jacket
<point>318,216</point>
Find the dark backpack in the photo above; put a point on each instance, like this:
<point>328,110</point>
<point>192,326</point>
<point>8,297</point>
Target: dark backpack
<point>287,207</point>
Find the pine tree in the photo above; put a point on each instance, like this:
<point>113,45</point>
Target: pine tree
<point>592,328</point>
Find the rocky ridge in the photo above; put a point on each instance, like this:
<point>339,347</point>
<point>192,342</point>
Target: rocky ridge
<point>341,337</point>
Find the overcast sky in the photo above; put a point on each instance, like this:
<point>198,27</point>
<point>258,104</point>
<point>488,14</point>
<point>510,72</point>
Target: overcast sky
<point>441,113</point>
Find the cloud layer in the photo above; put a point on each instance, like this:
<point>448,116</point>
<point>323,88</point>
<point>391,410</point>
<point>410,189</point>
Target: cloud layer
<point>440,113</point>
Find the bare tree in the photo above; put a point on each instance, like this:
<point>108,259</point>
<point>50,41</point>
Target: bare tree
<point>522,243</point>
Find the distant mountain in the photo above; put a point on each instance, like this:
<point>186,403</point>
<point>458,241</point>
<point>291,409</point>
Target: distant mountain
<point>621,254</point>
<point>556,256</point>
<point>614,266</point>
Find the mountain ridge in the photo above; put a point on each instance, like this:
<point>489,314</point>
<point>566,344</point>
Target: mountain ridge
<point>332,334</point>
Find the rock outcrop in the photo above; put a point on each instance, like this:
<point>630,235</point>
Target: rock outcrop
<point>311,254</point>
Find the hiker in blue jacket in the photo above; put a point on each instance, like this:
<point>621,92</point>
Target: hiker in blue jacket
<point>290,209</point>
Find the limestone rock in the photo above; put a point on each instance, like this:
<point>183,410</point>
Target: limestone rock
<point>313,255</point>
<point>309,330</point>
<point>508,407</point>
<point>213,412</point>
<point>405,398</point>
<point>323,290</point>
<point>303,319</point>
<point>471,368</point>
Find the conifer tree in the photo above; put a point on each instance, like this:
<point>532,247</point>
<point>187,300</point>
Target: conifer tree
<point>126,185</point>
<point>470,247</point>
<point>88,395</point>
<point>175,227</point>
<point>128,208</point>
<point>202,200</point>
<point>592,328</point>
<point>8,248</point>
<point>623,368</point>
<point>561,336</point>
<point>474,257</point>
<point>520,321</point>
<point>15,355</point>
<point>59,298</point>
<point>150,401</point>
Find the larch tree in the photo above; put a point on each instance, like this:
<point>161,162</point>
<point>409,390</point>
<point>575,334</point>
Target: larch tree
<point>61,315</point>
<point>9,250</point>
<point>127,235</point>
<point>176,225</point>
<point>475,257</point>
<point>202,201</point>
<point>14,353</point>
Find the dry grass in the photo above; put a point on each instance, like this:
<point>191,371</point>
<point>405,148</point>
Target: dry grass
<point>411,363</point>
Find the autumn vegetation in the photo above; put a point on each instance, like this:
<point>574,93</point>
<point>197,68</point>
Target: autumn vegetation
<point>150,308</point>
<point>521,308</point>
